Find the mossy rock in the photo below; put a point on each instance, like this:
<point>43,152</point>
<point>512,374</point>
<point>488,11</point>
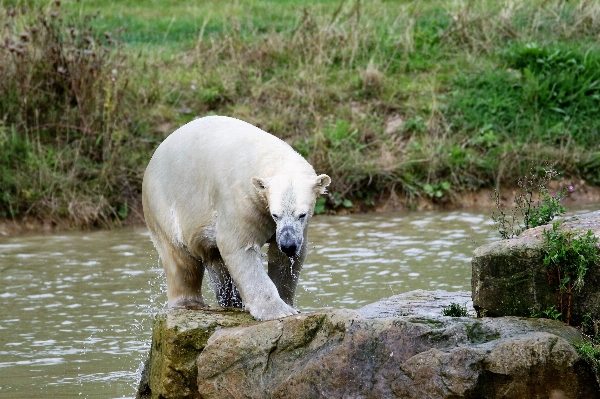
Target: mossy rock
<point>510,278</point>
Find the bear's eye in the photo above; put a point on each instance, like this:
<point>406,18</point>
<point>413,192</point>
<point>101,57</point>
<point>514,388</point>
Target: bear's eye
<point>275,216</point>
<point>302,216</point>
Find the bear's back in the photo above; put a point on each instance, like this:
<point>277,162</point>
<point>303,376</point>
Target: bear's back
<point>217,153</point>
<point>221,142</point>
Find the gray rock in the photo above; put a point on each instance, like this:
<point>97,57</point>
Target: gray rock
<point>396,348</point>
<point>510,279</point>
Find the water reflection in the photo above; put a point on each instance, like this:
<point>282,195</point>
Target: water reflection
<point>77,308</point>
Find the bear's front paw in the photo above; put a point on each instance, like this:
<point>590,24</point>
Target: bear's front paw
<point>271,310</point>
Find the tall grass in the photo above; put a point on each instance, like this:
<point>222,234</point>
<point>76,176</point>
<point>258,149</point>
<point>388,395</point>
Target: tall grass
<point>64,119</point>
<point>417,99</point>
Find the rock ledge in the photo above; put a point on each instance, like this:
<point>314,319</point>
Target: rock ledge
<point>400,347</point>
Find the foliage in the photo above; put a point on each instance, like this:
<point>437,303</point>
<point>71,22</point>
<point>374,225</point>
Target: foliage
<point>530,212</point>
<point>436,190</point>
<point>551,313</point>
<point>320,205</point>
<point>334,200</point>
<point>63,118</point>
<point>591,326</point>
<point>455,310</point>
<point>423,99</point>
<point>569,254</point>
<point>589,349</point>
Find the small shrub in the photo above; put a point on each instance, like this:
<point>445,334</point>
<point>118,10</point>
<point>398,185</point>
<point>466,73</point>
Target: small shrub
<point>320,205</point>
<point>590,326</point>
<point>436,191</point>
<point>455,310</point>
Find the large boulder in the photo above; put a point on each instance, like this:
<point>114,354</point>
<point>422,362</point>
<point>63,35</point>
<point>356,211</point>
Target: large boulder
<point>397,348</point>
<point>178,336</point>
<point>510,278</point>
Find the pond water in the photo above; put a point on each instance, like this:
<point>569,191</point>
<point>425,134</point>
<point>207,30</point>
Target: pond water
<point>76,309</point>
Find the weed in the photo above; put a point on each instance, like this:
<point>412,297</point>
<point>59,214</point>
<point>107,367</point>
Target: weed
<point>534,206</point>
<point>551,313</point>
<point>589,351</point>
<point>455,310</point>
<point>590,326</point>
<point>569,254</point>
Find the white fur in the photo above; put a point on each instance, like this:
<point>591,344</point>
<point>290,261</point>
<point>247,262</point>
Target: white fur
<point>214,192</point>
<point>176,234</point>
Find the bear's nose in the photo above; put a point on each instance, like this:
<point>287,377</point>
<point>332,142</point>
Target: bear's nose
<point>289,250</point>
<point>287,242</point>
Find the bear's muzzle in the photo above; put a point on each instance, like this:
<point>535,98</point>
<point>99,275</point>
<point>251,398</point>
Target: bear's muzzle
<point>287,241</point>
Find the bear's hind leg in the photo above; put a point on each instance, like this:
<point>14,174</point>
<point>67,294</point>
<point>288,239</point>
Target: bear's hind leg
<point>222,284</point>
<point>183,271</point>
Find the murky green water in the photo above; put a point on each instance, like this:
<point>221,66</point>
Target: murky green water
<point>76,309</point>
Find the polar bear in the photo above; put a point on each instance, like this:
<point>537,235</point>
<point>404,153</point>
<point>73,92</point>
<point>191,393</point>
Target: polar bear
<point>215,191</point>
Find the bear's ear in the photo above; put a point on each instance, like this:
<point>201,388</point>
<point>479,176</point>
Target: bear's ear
<point>321,184</point>
<point>260,184</point>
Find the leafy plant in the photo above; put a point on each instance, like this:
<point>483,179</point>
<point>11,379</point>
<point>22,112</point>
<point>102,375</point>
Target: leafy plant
<point>551,313</point>
<point>338,200</point>
<point>342,134</point>
<point>569,254</point>
<point>534,206</point>
<point>455,310</point>
<point>320,205</point>
<point>436,190</point>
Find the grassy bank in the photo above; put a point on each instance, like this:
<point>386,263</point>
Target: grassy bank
<point>422,99</point>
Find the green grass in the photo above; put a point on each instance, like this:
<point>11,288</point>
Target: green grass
<point>423,99</point>
<point>547,92</point>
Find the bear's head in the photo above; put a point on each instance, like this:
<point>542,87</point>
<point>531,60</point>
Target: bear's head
<point>291,203</point>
